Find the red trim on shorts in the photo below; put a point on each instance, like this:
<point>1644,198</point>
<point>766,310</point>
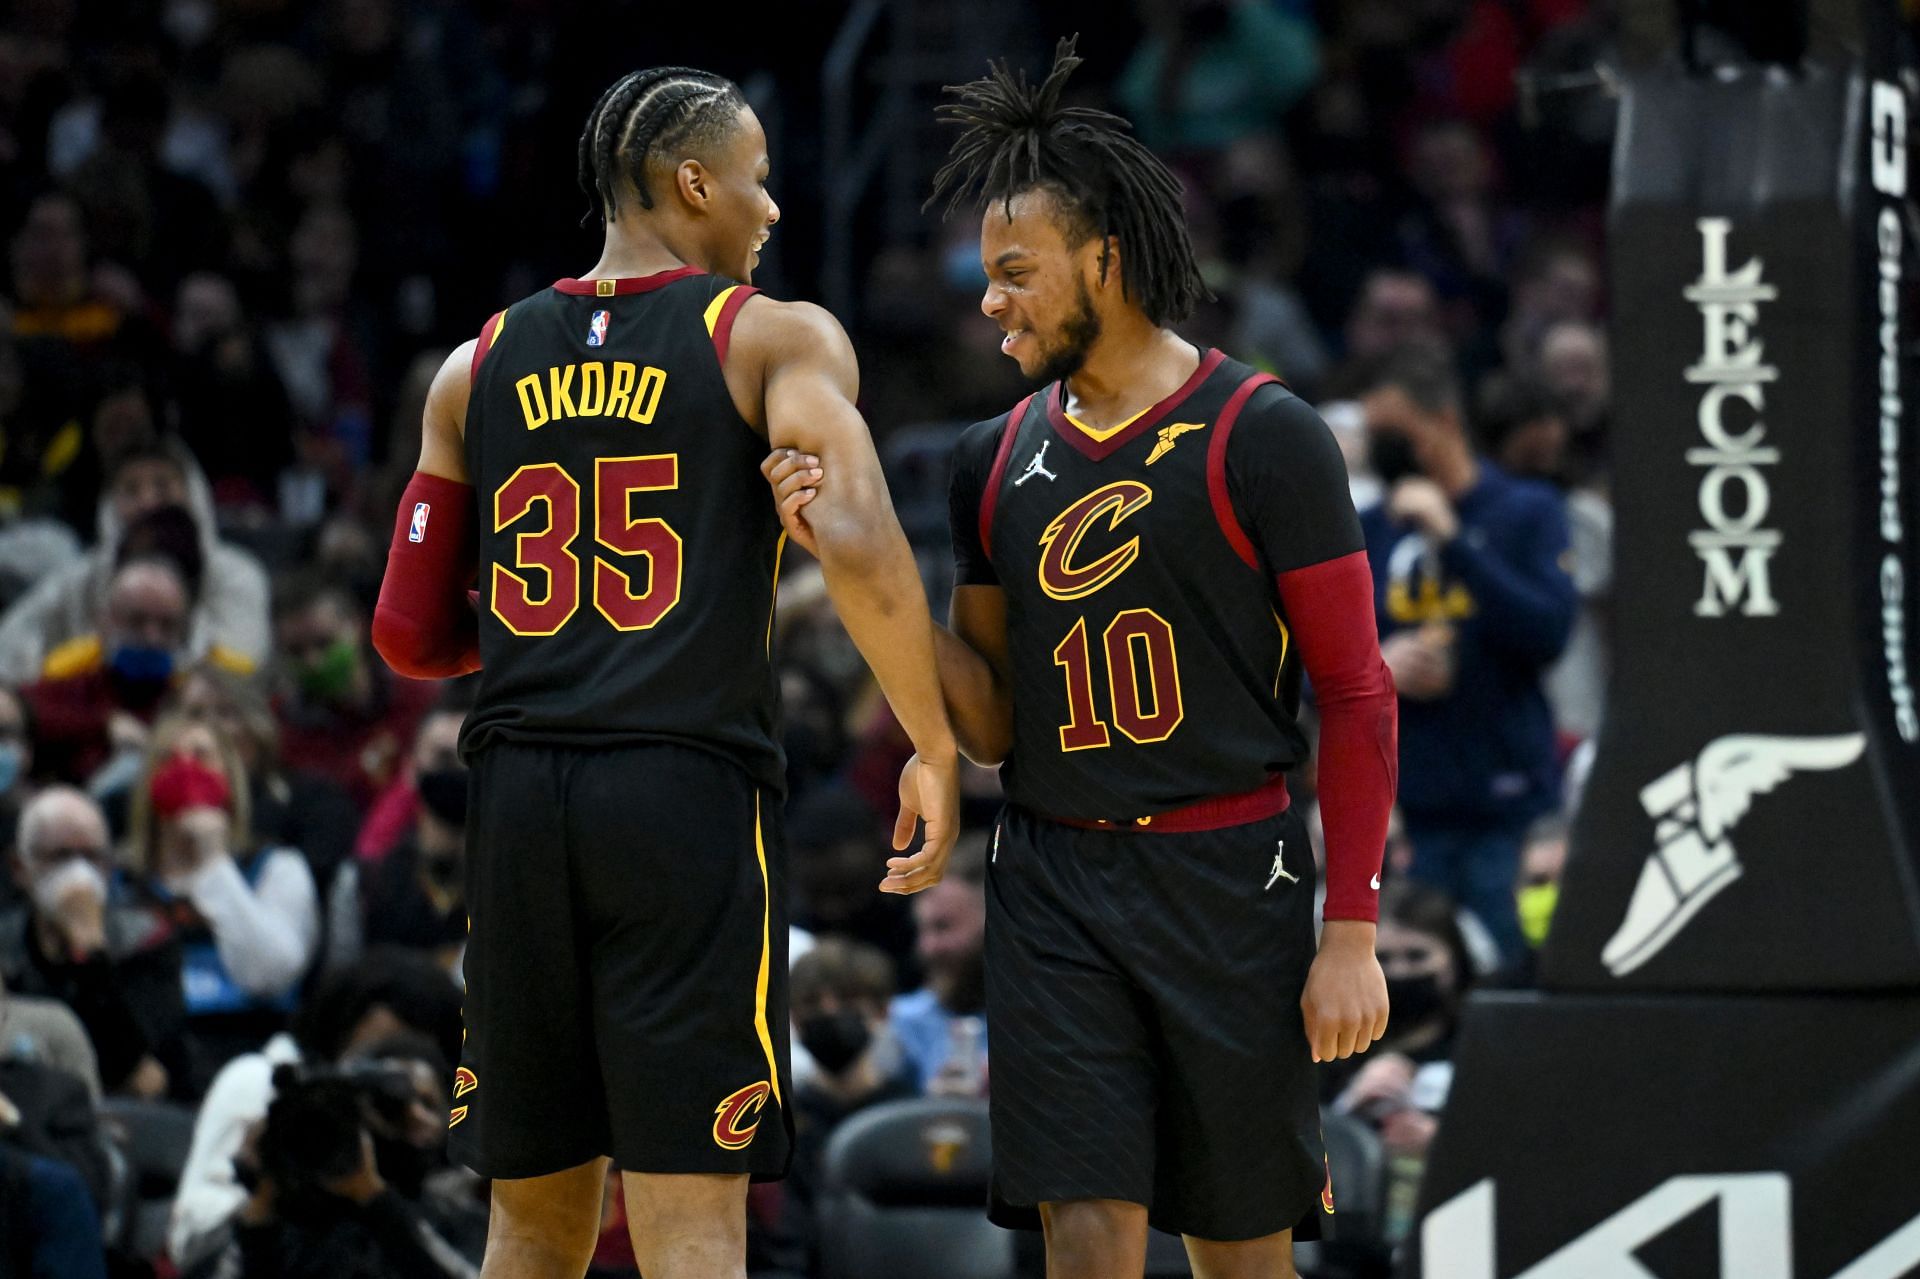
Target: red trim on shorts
<point>723,323</point>
<point>991,497</point>
<point>1266,800</point>
<point>1223,512</point>
<point>1098,450</point>
<point>627,284</point>
<point>484,345</point>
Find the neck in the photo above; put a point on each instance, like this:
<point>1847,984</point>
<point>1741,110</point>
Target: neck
<point>1134,364</point>
<point>633,248</point>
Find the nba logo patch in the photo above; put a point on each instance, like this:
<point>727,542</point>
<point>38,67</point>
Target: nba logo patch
<point>418,531</point>
<point>597,329</point>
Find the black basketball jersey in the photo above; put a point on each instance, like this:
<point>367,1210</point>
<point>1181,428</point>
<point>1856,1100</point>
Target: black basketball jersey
<point>1151,664</point>
<point>628,546</point>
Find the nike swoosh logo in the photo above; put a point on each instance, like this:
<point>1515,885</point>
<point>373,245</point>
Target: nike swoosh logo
<point>1376,882</point>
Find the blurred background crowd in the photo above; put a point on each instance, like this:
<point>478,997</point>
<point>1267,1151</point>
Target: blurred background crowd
<point>241,235</point>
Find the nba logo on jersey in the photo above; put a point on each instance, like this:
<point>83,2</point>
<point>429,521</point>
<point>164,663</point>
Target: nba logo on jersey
<point>597,329</point>
<point>418,531</point>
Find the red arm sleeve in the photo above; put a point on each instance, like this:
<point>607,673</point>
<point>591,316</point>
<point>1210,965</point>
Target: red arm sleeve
<point>1329,609</point>
<point>424,625</point>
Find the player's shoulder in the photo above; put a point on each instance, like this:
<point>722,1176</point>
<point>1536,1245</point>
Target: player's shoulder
<point>789,329</point>
<point>980,441</point>
<point>1274,421</point>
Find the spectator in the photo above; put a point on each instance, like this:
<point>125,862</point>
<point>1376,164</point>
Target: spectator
<point>323,1206</point>
<point>1401,1085</point>
<point>1521,427</point>
<point>101,691</point>
<point>1211,71</point>
<point>838,855</point>
<point>47,1031</point>
<point>291,808</point>
<point>231,611</point>
<point>48,1114</point>
<point>16,757</point>
<point>839,993</point>
<point>247,916</point>
<point>1395,308</point>
<point>72,324</point>
<point>416,897</point>
<point>1573,366</point>
<point>84,941</point>
<point>940,1025</point>
<point>1474,604</point>
<point>386,992</point>
<point>436,748</point>
<point>233,410</point>
<point>342,713</point>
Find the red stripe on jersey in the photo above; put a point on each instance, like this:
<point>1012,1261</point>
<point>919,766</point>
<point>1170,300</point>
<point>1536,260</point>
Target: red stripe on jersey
<point>991,497</point>
<point>723,326</point>
<point>629,284</point>
<point>485,344</point>
<point>1223,512</point>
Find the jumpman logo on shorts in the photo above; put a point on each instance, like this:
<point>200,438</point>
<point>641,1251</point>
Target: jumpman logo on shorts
<point>1280,867</point>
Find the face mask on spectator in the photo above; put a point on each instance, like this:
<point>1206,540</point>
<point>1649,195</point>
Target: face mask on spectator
<point>1390,457</point>
<point>141,665</point>
<point>184,782</point>
<point>835,1040</point>
<point>1536,902</point>
<point>329,676</point>
<point>11,757</point>
<point>1414,1001</point>
<point>50,888</point>
<point>444,793</point>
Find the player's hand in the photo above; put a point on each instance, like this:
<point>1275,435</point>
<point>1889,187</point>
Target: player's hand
<point>929,793</point>
<point>794,475</point>
<point>1420,502</point>
<point>1346,997</point>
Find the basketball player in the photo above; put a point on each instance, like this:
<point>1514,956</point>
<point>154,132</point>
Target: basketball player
<point>626,970</point>
<point>1150,549</point>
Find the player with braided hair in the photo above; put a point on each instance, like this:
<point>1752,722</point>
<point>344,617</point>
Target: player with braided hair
<point>1150,552</point>
<point>590,463</point>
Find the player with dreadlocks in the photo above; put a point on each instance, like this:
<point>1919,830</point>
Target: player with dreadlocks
<point>1150,551</point>
<point>626,965</point>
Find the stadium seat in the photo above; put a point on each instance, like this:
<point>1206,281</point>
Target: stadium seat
<point>904,1192</point>
<point>155,1137</point>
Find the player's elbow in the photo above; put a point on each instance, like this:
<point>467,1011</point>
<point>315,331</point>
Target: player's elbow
<point>855,538</point>
<point>418,651</point>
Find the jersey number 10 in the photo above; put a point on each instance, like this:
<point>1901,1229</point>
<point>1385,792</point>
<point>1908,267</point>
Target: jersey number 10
<point>1137,638</point>
<point>615,481</point>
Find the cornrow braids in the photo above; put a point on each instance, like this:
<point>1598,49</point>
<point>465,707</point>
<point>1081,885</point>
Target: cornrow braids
<point>1016,137</point>
<point>645,112</point>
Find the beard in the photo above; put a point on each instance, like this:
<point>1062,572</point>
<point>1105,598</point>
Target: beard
<point>1069,351</point>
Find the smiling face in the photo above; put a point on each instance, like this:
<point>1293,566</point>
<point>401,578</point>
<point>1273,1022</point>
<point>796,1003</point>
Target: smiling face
<point>728,184</point>
<point>1041,286</point>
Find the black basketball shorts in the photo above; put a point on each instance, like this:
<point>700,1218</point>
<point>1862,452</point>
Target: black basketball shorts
<point>1143,1011</point>
<point>626,965</point>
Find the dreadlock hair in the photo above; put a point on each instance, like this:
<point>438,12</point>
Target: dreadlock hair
<point>646,112</point>
<point>1017,138</point>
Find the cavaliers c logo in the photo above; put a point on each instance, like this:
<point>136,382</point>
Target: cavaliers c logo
<point>1063,579</point>
<point>736,1118</point>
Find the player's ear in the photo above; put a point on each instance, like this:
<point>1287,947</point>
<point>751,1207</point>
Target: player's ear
<point>694,183</point>
<point>1106,261</point>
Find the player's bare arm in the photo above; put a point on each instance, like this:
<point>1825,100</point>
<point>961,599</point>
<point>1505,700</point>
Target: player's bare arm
<point>971,649</point>
<point>807,380</point>
<point>423,625</point>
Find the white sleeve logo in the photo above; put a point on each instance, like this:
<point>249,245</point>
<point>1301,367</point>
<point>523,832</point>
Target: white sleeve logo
<point>418,532</point>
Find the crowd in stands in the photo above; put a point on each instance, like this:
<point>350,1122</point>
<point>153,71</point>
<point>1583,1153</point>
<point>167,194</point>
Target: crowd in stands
<point>241,236</point>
